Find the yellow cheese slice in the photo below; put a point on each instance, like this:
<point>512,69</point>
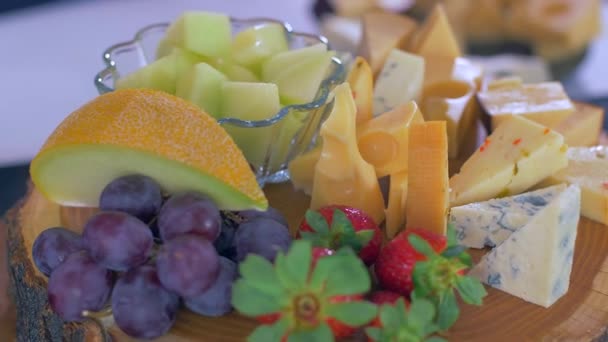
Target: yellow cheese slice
<point>504,83</point>
<point>302,169</point>
<point>383,32</point>
<point>546,103</point>
<point>428,192</point>
<point>516,156</point>
<point>397,197</point>
<point>435,37</point>
<point>587,168</point>
<point>583,127</point>
<point>341,175</point>
<point>361,82</point>
<point>383,140</point>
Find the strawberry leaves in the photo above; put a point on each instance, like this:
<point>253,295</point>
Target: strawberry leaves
<point>437,278</point>
<point>340,234</point>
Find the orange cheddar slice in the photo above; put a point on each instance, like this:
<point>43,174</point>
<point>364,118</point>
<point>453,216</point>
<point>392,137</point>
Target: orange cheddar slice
<point>342,176</point>
<point>361,82</point>
<point>583,127</point>
<point>383,141</point>
<point>383,32</point>
<point>302,169</point>
<point>545,103</point>
<point>397,197</point>
<point>428,179</point>
<point>435,37</point>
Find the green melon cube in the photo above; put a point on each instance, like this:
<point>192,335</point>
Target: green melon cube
<point>252,46</point>
<point>233,71</point>
<point>201,84</point>
<point>284,60</point>
<point>300,83</point>
<point>205,33</point>
<point>251,101</point>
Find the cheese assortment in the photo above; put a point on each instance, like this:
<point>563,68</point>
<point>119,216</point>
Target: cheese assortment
<point>535,262</point>
<point>583,126</point>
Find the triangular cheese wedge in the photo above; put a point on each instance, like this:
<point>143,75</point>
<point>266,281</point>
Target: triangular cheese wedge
<point>383,32</point>
<point>397,200</point>
<point>436,37</point>
<point>361,81</point>
<point>489,223</point>
<point>535,262</point>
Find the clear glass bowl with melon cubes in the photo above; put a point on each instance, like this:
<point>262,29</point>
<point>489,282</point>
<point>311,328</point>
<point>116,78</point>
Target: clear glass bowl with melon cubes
<point>268,144</point>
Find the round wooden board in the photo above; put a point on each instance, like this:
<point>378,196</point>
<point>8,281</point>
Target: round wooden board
<point>581,315</point>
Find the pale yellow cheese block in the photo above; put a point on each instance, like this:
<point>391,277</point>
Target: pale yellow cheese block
<point>361,82</point>
<point>436,37</point>
<point>302,169</point>
<point>583,127</point>
<point>428,190</point>
<point>545,103</point>
<point>397,201</point>
<point>383,141</point>
<point>341,175</point>
<point>383,32</point>
<point>517,155</point>
<point>587,168</point>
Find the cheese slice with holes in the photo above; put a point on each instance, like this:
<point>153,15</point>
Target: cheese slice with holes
<point>517,155</point>
<point>428,192</point>
<point>534,263</point>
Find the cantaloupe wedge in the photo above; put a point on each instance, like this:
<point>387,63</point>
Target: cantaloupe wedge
<point>147,132</point>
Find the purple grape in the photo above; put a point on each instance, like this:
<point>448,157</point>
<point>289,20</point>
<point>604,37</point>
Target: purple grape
<point>53,246</point>
<point>216,301</point>
<point>137,195</point>
<point>117,241</point>
<point>224,244</point>
<point>187,265</point>
<point>79,284</point>
<point>270,213</point>
<point>261,236</point>
<point>189,213</point>
<point>142,308</point>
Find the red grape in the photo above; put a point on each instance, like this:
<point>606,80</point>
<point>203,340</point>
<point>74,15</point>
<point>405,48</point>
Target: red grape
<point>216,301</point>
<point>189,213</point>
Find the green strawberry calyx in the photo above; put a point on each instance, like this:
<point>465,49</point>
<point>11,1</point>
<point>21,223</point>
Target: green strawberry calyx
<point>401,324</point>
<point>437,278</point>
<point>301,297</point>
<point>340,234</point>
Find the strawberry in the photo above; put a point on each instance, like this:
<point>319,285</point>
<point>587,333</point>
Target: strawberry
<point>310,293</point>
<point>384,297</point>
<point>337,226</point>
<point>402,323</point>
<point>419,263</point>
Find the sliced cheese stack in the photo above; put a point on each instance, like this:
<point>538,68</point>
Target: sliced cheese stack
<point>535,262</point>
<point>588,168</point>
<point>516,156</point>
<point>489,223</point>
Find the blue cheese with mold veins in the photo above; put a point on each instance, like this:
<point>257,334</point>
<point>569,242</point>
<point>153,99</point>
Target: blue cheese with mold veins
<point>399,82</point>
<point>534,263</point>
<point>489,223</point>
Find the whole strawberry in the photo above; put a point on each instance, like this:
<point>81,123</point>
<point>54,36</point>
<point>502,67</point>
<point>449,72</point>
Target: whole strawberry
<point>307,294</point>
<point>337,226</point>
<point>422,264</point>
<point>382,297</point>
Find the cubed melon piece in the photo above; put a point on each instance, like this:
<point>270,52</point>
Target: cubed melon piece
<point>234,72</point>
<point>201,84</point>
<point>258,43</point>
<point>205,33</point>
<point>289,126</point>
<point>251,101</point>
<point>281,61</point>
<point>300,83</point>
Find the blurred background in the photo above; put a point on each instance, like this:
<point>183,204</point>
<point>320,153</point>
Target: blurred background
<point>52,49</point>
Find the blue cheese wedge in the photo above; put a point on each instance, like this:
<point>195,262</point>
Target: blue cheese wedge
<point>534,263</point>
<point>399,82</point>
<point>489,223</point>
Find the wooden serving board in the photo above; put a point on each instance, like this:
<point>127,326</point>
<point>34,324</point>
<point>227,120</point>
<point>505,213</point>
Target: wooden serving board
<point>581,315</point>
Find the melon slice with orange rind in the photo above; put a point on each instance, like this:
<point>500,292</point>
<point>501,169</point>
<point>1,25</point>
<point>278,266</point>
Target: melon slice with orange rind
<point>147,132</point>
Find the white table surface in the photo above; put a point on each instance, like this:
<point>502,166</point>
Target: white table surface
<point>50,54</point>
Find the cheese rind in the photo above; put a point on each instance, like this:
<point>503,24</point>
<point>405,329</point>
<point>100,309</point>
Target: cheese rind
<point>587,168</point>
<point>517,155</point>
<point>535,262</point>
<point>546,103</point>
<point>428,191</point>
<point>399,82</point>
<point>489,223</point>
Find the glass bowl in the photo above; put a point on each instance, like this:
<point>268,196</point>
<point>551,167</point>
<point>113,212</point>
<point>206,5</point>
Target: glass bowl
<point>126,57</point>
